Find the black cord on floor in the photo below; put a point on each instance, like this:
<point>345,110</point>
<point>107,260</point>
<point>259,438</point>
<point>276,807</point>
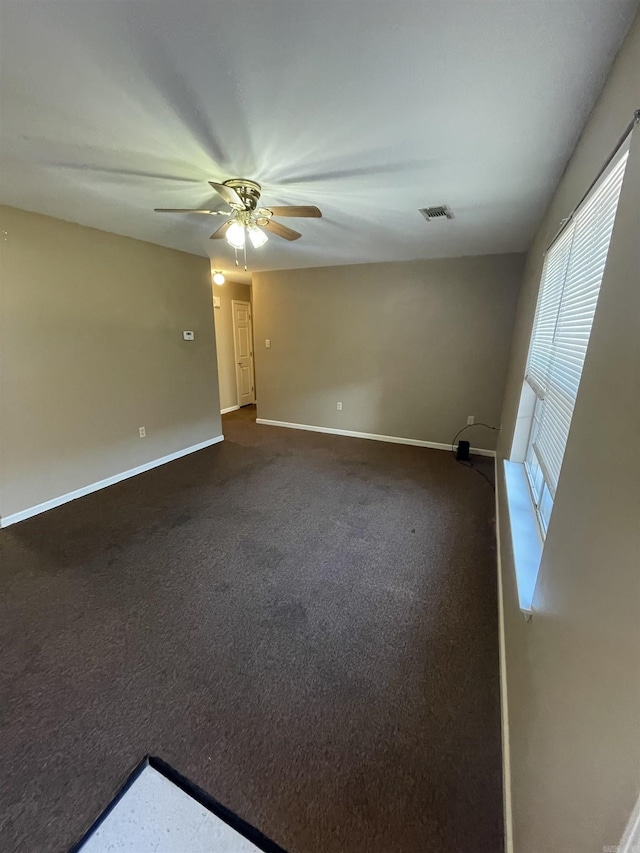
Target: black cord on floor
<point>470,464</point>
<point>477,470</point>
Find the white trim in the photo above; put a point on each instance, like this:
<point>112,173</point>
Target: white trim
<point>504,704</point>
<point>393,439</point>
<point>102,484</point>
<point>630,841</point>
<point>229,409</point>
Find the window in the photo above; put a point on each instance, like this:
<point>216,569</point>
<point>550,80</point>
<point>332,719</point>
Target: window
<point>569,289</point>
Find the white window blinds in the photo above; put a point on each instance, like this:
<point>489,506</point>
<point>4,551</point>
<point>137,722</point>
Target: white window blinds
<point>569,289</point>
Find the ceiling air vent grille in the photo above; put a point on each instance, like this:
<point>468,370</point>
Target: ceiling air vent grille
<point>433,213</point>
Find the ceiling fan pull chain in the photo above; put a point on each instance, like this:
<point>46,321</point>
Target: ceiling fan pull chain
<point>236,251</point>
<point>245,257</point>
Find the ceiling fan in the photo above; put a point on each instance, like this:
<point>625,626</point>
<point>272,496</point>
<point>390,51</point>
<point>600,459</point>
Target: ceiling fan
<point>245,217</point>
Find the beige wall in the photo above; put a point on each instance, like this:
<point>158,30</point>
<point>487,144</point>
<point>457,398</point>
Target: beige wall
<point>91,346</point>
<point>410,349</point>
<point>224,339</point>
<point>574,671</point>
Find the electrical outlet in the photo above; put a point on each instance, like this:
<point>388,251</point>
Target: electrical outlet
<point>267,343</point>
<point>339,406</point>
<point>471,420</point>
<point>142,432</point>
<point>188,336</point>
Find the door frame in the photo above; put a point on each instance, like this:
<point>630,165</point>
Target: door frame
<point>235,302</point>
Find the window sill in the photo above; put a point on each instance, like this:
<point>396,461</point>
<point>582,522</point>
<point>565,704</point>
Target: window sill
<point>525,534</point>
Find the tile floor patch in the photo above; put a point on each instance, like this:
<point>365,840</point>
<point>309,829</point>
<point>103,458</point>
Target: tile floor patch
<point>155,816</point>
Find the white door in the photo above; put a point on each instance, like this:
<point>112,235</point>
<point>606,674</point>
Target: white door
<point>243,345</point>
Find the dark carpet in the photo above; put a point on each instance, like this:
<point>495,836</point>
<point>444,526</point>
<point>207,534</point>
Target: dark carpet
<point>304,625</point>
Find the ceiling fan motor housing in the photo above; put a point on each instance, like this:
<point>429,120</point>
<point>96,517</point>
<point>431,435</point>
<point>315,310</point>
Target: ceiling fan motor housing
<point>249,191</point>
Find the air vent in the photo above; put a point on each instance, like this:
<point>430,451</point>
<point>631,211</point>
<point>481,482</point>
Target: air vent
<point>434,213</point>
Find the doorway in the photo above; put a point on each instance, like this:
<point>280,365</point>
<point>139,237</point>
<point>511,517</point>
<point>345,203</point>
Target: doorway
<point>243,349</point>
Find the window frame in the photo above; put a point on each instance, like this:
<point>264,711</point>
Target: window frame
<point>528,493</point>
<point>541,496</point>
<point>541,489</point>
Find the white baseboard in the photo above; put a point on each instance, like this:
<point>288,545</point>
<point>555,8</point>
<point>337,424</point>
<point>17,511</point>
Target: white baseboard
<point>229,409</point>
<point>393,439</point>
<point>504,705</point>
<point>102,484</point>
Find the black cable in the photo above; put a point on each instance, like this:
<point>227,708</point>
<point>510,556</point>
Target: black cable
<point>468,426</point>
<point>477,470</point>
<point>470,464</point>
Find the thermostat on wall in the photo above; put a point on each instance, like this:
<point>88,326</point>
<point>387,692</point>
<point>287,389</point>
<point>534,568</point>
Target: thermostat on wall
<point>188,336</point>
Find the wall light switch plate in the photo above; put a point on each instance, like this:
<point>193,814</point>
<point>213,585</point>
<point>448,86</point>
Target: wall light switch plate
<point>216,301</point>
<point>142,432</point>
<point>188,336</point>
<point>339,406</point>
<point>267,343</point>
<point>471,420</point>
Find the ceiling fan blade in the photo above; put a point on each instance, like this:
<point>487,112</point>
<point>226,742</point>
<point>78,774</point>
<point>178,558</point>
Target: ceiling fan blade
<point>222,230</point>
<point>228,194</point>
<point>189,210</point>
<point>293,210</point>
<point>281,230</point>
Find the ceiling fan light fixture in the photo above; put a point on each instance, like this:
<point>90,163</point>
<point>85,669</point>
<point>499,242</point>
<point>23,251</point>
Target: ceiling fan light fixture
<point>245,220</point>
<point>218,278</point>
<point>257,236</point>
<point>235,235</point>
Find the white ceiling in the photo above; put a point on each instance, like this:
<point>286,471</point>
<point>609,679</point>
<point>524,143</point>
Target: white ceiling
<point>368,109</point>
